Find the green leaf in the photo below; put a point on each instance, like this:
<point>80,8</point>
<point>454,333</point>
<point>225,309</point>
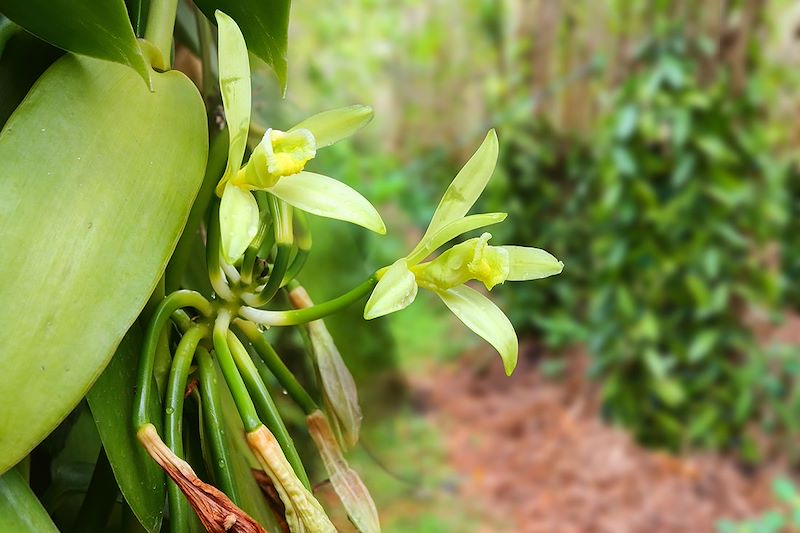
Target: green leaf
<point>20,511</point>
<point>265,26</point>
<point>97,176</point>
<point>96,28</point>
<point>22,60</point>
<point>140,479</point>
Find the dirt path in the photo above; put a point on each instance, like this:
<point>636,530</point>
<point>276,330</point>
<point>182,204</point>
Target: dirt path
<point>535,454</point>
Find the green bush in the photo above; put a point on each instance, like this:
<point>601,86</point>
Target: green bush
<point>688,202</point>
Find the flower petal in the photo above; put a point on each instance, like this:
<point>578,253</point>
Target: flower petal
<point>234,82</point>
<point>327,197</point>
<point>451,231</point>
<point>338,386</point>
<point>238,221</point>
<point>332,126</point>
<point>352,492</point>
<point>466,186</point>
<point>480,315</point>
<point>531,263</point>
<point>394,291</point>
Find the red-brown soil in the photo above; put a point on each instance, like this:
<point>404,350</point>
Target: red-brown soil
<point>534,453</point>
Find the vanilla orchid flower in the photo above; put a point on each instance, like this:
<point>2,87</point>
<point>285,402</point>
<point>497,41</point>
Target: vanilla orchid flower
<point>472,260</point>
<point>276,164</point>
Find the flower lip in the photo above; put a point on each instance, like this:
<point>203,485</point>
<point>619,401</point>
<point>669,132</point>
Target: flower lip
<point>288,152</point>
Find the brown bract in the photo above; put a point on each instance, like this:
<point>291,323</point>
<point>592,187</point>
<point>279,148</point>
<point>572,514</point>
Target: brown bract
<point>215,510</point>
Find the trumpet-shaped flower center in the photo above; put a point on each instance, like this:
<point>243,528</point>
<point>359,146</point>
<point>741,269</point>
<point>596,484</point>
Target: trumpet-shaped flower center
<point>279,154</point>
<point>473,259</point>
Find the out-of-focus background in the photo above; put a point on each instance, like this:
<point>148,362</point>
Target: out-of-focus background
<point>652,146</point>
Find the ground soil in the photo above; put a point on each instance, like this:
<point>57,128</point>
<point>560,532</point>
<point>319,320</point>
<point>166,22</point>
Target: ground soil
<point>536,456</point>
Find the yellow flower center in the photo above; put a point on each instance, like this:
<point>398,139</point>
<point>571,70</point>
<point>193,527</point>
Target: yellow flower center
<point>279,154</point>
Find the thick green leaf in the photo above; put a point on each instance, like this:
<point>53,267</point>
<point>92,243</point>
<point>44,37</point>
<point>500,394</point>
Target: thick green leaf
<point>97,176</point>
<point>264,23</point>
<point>22,60</point>
<point>140,479</point>
<point>20,511</point>
<point>96,28</point>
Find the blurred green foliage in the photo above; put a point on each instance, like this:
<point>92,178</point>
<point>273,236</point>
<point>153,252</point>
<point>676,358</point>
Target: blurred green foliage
<point>782,519</point>
<point>688,202</point>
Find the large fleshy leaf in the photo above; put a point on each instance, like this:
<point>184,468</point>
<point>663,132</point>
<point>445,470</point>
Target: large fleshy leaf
<point>396,289</point>
<point>326,197</point>
<point>265,25</point>
<point>466,187</point>
<point>234,82</point>
<point>450,231</point>
<point>531,263</point>
<point>97,176</point>
<point>20,510</point>
<point>480,315</point>
<point>22,60</point>
<point>96,28</point>
<point>332,126</point>
<point>111,400</point>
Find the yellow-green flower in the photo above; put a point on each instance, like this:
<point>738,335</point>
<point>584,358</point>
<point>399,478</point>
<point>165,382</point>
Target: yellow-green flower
<point>276,164</point>
<point>472,260</point>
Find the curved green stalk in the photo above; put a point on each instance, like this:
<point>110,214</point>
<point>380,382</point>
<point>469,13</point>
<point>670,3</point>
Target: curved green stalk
<point>279,268</point>
<point>244,404</point>
<point>169,305</point>
<point>160,25</point>
<point>272,363</point>
<point>251,254</point>
<point>179,511</point>
<point>302,316</point>
<point>266,407</point>
<point>212,418</point>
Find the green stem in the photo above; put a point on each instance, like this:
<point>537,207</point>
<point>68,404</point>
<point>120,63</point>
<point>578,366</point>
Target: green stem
<point>100,497</point>
<point>279,268</point>
<point>271,362</point>
<point>206,38</point>
<point>266,407</point>
<point>217,157</point>
<point>160,25</point>
<point>244,404</point>
<point>179,511</point>
<point>168,305</point>
<point>214,426</point>
<point>302,316</point>
<point>251,254</point>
